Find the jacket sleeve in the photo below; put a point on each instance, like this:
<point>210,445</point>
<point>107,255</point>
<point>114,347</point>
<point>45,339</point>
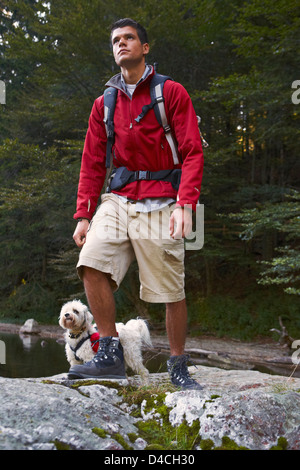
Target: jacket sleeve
<point>93,171</point>
<point>183,121</point>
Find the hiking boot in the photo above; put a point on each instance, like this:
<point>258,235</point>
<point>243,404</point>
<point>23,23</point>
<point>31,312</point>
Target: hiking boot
<point>179,374</point>
<point>108,362</point>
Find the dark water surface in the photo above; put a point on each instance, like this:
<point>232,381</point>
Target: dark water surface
<point>33,356</point>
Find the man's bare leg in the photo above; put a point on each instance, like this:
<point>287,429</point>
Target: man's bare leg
<point>101,300</point>
<point>176,325</point>
<point>109,359</point>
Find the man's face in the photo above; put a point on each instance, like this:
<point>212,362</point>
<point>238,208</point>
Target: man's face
<point>127,47</point>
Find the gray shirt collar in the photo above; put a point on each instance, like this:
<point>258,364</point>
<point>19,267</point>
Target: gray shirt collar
<point>147,71</point>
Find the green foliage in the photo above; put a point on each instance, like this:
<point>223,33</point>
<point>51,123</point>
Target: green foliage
<point>237,61</point>
<point>38,188</point>
<point>59,445</point>
<point>282,444</point>
<point>158,431</point>
<point>280,218</point>
<point>227,444</point>
<point>100,432</point>
<point>245,318</point>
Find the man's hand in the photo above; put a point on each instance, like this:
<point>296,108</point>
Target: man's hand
<point>79,235</point>
<point>181,223</point>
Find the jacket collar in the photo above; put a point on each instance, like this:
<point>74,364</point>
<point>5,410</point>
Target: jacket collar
<point>117,81</point>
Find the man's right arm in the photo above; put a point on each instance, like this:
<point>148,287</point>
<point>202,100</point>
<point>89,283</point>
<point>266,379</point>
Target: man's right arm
<point>92,172</point>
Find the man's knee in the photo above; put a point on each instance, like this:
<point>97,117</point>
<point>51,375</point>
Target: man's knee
<point>174,306</point>
<point>93,275</point>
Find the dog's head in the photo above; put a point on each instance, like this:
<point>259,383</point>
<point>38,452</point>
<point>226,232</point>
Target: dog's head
<point>74,315</point>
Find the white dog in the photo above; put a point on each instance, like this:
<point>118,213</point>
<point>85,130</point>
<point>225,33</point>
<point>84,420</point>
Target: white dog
<point>82,335</point>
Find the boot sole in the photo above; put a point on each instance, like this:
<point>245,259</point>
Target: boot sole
<point>102,377</point>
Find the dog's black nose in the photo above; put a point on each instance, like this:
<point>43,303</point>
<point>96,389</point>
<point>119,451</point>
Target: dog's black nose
<point>67,315</point>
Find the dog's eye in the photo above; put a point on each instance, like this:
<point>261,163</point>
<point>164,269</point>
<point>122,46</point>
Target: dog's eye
<point>75,311</point>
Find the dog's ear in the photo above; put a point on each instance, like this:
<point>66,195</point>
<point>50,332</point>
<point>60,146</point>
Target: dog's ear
<point>88,315</point>
<point>60,319</point>
<point>61,314</point>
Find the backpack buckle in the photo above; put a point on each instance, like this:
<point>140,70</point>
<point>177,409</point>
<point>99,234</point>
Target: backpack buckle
<point>142,175</point>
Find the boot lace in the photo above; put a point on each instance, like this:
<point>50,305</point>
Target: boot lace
<point>101,354</point>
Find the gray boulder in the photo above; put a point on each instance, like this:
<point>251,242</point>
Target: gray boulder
<point>30,327</point>
<point>249,408</point>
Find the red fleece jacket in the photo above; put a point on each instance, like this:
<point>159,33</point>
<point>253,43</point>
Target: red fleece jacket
<point>142,146</point>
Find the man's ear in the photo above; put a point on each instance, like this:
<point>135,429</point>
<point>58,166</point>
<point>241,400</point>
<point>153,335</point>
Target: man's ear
<point>146,48</point>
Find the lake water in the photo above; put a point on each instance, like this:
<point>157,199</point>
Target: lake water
<point>33,356</point>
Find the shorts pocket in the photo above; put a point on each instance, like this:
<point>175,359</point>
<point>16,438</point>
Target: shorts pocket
<point>174,252</point>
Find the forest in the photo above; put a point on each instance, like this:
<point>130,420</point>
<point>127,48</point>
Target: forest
<point>239,61</point>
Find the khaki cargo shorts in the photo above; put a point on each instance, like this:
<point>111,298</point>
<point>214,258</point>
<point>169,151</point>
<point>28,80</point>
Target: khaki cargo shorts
<point>118,234</point>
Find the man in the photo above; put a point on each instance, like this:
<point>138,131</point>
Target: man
<point>109,243</point>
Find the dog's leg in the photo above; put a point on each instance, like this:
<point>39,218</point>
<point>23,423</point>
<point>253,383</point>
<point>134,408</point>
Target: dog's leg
<point>144,373</point>
<point>135,362</point>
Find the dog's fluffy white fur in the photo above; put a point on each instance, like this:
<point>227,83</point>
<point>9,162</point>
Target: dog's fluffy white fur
<point>77,320</point>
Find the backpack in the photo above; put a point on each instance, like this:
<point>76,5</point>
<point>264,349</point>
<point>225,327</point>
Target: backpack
<point>157,102</point>
<point>122,176</point>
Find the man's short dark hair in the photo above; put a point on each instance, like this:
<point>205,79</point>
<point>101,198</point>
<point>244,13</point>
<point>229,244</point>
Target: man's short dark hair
<point>142,33</point>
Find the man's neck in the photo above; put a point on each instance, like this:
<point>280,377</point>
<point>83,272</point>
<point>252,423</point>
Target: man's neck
<point>132,76</point>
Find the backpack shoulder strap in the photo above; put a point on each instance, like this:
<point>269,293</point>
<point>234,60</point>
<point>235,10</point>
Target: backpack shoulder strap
<point>110,98</point>
<point>158,105</point>
<point>156,93</point>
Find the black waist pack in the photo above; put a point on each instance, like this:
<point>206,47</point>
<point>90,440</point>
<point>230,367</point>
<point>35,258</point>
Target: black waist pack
<point>120,177</point>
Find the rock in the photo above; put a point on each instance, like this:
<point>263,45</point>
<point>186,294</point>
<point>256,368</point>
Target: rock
<point>43,416</point>
<point>247,408</point>
<point>253,419</point>
<point>140,443</point>
<point>30,327</point>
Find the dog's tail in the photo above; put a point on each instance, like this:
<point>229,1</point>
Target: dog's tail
<point>143,328</point>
